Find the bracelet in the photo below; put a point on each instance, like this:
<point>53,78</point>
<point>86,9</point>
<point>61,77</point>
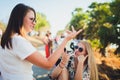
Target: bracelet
<point>61,66</point>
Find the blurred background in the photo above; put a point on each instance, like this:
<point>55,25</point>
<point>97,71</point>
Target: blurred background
<point>100,20</point>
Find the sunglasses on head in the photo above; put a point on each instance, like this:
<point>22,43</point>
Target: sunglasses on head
<point>79,48</point>
<point>33,19</point>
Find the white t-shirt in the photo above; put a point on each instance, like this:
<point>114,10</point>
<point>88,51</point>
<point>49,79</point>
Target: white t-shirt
<point>12,62</point>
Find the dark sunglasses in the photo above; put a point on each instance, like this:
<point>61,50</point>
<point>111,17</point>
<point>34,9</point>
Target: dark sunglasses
<point>33,19</point>
<point>79,48</point>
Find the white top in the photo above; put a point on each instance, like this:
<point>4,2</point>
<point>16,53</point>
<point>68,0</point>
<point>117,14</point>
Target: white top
<point>12,62</point>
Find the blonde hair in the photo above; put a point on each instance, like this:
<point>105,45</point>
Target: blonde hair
<point>91,61</point>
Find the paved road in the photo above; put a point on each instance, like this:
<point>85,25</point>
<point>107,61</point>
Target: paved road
<point>40,73</point>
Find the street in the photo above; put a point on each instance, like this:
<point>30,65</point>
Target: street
<point>40,73</point>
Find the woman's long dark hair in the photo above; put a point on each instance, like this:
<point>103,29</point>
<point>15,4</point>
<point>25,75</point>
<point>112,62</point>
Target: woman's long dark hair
<point>15,24</point>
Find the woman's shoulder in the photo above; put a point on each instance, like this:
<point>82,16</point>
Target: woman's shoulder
<point>18,37</point>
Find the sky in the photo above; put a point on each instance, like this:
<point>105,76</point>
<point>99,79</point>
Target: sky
<point>58,12</point>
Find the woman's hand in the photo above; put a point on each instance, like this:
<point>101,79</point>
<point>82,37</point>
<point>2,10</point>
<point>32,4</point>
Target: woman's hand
<point>65,57</point>
<point>80,66</point>
<point>73,33</point>
<point>60,71</point>
<point>82,58</point>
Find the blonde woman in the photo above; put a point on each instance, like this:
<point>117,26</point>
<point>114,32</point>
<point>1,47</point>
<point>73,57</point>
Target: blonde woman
<point>84,68</point>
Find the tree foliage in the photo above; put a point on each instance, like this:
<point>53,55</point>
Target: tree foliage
<point>79,20</point>
<point>99,22</point>
<point>115,9</point>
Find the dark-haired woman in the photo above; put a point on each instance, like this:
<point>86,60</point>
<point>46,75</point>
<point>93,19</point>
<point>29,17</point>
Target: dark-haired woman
<point>17,54</point>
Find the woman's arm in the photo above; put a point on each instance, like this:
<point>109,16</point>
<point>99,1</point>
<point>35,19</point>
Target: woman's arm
<point>38,59</point>
<point>80,66</point>
<point>47,63</point>
<point>79,70</point>
<point>56,72</point>
<point>59,69</point>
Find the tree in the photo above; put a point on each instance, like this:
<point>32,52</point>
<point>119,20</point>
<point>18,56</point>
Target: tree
<point>99,23</point>
<point>100,26</point>
<point>115,20</point>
